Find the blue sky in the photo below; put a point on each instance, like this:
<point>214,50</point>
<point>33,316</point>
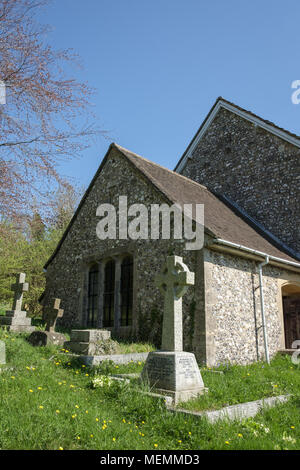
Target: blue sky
<point>158,66</point>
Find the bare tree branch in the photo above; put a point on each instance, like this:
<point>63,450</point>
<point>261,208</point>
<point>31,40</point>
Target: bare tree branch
<point>40,121</point>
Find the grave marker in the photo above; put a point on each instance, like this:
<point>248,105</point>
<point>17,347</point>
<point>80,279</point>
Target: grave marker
<point>172,371</point>
<point>16,319</point>
<point>49,336</point>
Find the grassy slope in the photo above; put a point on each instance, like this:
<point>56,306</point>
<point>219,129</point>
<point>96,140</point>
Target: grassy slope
<point>47,403</point>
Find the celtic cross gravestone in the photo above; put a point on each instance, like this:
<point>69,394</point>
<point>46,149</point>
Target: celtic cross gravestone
<point>172,371</point>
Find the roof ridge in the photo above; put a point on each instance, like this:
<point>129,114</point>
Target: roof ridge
<point>267,121</point>
<point>160,166</point>
<point>281,132</point>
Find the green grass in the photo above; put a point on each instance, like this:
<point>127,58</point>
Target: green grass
<point>47,402</point>
<point>126,348</point>
<point>238,384</point>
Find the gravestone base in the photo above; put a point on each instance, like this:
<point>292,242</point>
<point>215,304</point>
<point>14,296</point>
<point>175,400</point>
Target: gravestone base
<point>85,349</point>
<point>20,328</point>
<point>180,396</point>
<point>173,373</point>
<point>85,342</point>
<point>17,321</point>
<point>44,338</point>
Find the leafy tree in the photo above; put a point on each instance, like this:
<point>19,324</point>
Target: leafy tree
<point>37,227</point>
<point>18,253</point>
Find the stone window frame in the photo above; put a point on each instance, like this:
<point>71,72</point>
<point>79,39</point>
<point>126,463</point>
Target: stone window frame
<point>117,257</point>
<point>290,279</point>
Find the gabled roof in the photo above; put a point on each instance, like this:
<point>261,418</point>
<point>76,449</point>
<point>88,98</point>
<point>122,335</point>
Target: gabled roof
<point>248,115</point>
<point>219,219</point>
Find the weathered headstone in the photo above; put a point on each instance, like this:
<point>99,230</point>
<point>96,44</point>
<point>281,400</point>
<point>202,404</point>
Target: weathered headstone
<point>172,371</point>
<point>16,319</point>
<point>91,342</point>
<point>2,353</point>
<point>52,314</point>
<point>49,336</point>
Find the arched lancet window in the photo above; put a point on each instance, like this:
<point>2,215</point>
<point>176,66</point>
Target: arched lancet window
<point>109,294</point>
<point>126,291</point>
<point>93,295</point>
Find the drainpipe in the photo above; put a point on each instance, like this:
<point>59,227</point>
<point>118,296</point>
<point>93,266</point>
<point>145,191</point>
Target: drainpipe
<point>262,307</point>
<point>267,257</point>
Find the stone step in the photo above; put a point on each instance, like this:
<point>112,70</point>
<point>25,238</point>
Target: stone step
<point>89,336</point>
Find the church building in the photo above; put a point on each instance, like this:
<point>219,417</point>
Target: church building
<point>245,304</point>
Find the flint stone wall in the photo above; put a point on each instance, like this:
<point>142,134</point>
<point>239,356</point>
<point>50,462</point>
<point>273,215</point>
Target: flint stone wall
<point>254,168</point>
<point>232,308</point>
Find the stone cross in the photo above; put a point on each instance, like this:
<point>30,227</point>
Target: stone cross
<point>173,282</point>
<point>52,314</point>
<point>19,287</point>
